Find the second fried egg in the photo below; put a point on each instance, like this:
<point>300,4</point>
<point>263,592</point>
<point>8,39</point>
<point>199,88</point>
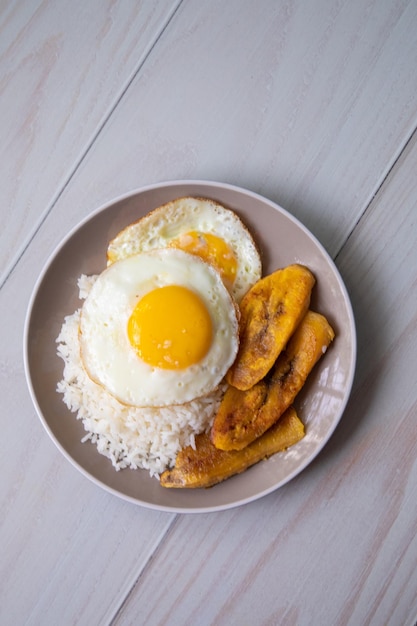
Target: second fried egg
<point>201,227</point>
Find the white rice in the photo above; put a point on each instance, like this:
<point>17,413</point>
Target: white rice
<point>130,437</point>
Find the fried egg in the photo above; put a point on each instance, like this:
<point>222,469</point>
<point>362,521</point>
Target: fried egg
<point>158,329</point>
<point>201,227</point>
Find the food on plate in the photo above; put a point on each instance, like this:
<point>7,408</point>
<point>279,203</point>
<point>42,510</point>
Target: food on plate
<point>158,329</point>
<point>270,312</point>
<point>244,416</point>
<point>205,465</point>
<point>201,227</point>
<point>182,348</point>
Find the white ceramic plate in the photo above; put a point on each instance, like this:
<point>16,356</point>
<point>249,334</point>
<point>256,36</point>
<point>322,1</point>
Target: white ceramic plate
<point>282,241</point>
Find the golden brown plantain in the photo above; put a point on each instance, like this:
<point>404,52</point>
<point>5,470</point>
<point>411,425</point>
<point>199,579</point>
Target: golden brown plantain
<point>270,312</point>
<point>206,465</point>
<point>245,415</point>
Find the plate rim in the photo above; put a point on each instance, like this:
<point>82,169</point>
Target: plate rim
<point>125,196</point>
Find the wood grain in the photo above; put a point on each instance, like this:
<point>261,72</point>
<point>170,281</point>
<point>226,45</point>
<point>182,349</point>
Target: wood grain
<point>312,104</point>
<point>293,102</point>
<point>63,69</point>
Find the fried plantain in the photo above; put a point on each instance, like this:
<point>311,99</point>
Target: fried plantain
<point>206,465</point>
<point>245,415</point>
<point>270,312</point>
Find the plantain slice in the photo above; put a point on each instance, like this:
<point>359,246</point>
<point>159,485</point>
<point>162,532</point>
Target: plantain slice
<point>245,415</point>
<point>206,465</point>
<point>270,312</point>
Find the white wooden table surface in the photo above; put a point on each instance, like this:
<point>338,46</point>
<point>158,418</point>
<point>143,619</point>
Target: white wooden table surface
<point>312,104</point>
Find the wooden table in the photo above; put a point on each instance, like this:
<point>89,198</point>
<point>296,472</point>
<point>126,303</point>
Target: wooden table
<point>313,105</point>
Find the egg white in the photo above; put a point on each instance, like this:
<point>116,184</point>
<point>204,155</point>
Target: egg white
<point>107,353</point>
<point>165,223</point>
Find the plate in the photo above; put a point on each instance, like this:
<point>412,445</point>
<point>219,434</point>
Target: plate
<point>282,240</point>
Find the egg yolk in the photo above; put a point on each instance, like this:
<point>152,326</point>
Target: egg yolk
<point>170,328</point>
<point>211,249</point>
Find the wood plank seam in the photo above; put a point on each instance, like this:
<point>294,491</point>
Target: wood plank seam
<point>143,569</point>
<point>380,188</point>
<point>4,276</point>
